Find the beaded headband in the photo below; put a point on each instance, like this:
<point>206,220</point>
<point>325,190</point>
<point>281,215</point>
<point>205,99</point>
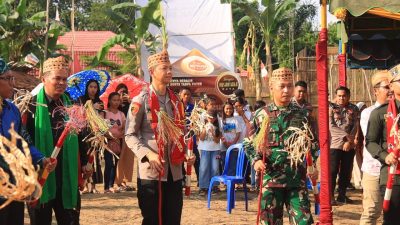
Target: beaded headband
<point>281,74</point>
<point>52,64</point>
<point>158,58</point>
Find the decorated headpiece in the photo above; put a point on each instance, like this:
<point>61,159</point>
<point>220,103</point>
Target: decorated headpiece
<point>58,63</point>
<point>281,74</point>
<point>380,76</point>
<point>3,66</point>
<point>158,58</point>
<point>395,72</point>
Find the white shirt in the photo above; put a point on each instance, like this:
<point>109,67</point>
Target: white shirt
<point>208,144</point>
<point>240,119</point>
<point>370,165</point>
<point>230,128</point>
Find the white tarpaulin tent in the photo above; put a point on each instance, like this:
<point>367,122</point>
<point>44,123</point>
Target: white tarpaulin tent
<point>202,24</point>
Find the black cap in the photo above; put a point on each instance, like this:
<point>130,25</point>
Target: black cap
<point>239,93</point>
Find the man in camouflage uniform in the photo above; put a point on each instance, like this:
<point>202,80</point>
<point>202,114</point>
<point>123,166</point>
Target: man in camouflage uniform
<point>283,182</point>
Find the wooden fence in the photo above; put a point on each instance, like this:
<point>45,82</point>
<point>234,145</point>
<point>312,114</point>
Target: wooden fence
<point>358,80</point>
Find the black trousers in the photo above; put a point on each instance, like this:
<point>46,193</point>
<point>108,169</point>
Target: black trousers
<point>41,214</point>
<point>12,214</point>
<point>196,164</point>
<point>172,201</point>
<point>392,216</point>
<point>342,164</point>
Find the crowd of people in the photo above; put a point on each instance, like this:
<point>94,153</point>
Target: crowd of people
<point>149,127</point>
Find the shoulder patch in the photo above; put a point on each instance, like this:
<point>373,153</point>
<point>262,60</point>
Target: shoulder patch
<point>135,108</point>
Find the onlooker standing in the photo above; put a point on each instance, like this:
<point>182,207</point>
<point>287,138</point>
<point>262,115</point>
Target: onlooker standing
<point>231,131</point>
<point>209,147</point>
<point>343,123</point>
<point>117,121</point>
<point>239,93</point>
<point>127,157</point>
<point>359,145</point>
<point>92,92</point>
<point>243,117</point>
<point>300,95</point>
<point>372,200</point>
<point>122,90</point>
<point>186,96</point>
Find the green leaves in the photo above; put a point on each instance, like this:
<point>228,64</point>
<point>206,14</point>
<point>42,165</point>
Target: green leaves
<point>21,34</point>
<point>119,39</point>
<point>125,5</point>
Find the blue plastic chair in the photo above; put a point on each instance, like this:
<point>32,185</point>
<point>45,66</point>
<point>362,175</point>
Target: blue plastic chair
<point>230,181</point>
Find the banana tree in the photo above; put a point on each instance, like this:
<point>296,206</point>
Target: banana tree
<point>250,44</point>
<point>267,19</point>
<point>132,32</point>
<point>21,35</point>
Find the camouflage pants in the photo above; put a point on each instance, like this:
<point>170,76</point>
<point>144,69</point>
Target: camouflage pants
<point>296,201</point>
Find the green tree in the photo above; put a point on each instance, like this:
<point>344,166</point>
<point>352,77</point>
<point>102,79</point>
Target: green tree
<point>294,35</point>
<point>21,35</point>
<point>267,19</point>
<point>82,10</point>
<point>132,32</point>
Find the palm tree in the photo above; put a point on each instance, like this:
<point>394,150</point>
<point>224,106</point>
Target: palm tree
<point>267,19</point>
<point>132,32</point>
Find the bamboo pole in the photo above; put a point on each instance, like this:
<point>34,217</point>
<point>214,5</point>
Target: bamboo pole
<point>323,14</point>
<point>73,35</point>
<point>46,40</point>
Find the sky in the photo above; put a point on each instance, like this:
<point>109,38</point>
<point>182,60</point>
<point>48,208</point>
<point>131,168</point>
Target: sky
<point>331,18</point>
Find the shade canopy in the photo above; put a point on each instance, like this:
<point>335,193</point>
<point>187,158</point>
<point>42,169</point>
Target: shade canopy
<point>359,7</point>
<point>373,30</point>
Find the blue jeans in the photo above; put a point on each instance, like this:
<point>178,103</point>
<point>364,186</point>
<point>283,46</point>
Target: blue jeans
<point>209,167</point>
<point>110,170</point>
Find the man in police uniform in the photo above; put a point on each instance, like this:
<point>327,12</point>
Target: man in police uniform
<point>155,164</point>
<point>283,183</point>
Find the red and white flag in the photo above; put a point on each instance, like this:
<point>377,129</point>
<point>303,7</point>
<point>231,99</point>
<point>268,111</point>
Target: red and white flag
<point>264,71</point>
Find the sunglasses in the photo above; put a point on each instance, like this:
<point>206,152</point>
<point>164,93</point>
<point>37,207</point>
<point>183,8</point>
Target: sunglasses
<point>384,87</point>
<point>394,81</point>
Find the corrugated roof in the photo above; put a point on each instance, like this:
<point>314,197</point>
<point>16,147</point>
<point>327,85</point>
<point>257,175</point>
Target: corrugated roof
<point>88,41</point>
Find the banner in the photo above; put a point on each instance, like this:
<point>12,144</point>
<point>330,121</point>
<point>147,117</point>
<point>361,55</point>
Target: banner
<point>200,75</point>
<point>197,24</point>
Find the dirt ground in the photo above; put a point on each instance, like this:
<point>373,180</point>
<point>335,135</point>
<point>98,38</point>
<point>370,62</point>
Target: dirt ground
<point>123,209</point>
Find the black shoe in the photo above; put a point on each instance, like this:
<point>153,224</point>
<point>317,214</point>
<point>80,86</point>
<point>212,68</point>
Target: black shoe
<point>203,192</point>
<point>351,187</point>
<point>334,202</point>
<point>344,200</point>
<point>215,190</point>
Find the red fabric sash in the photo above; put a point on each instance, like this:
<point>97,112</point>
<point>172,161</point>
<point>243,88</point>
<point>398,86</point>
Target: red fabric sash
<point>391,141</point>
<point>177,156</point>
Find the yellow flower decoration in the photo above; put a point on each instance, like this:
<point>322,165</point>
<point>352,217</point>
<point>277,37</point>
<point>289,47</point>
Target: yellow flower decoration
<point>74,81</point>
<point>340,13</point>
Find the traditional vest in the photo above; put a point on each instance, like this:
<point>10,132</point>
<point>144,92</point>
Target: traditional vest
<point>392,141</point>
<point>177,155</point>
